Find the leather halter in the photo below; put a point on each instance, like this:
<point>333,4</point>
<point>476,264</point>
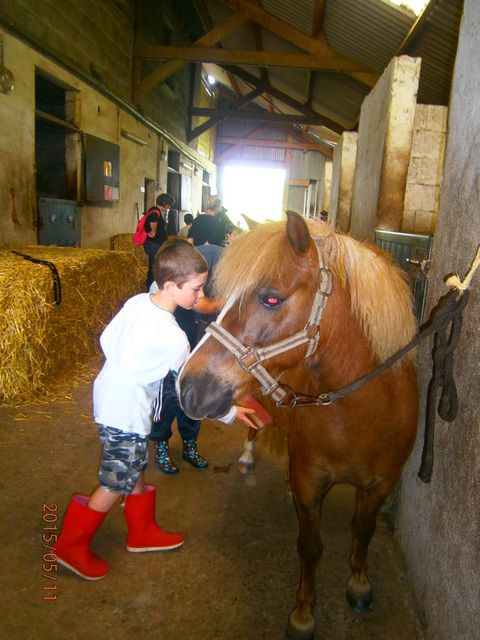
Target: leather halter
<point>249,358</point>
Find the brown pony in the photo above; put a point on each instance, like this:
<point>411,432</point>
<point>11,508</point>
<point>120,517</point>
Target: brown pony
<point>270,279</point>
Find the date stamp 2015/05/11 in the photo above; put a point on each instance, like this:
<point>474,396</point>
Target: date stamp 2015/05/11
<point>49,558</point>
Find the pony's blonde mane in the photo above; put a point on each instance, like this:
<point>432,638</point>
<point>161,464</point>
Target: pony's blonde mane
<point>380,295</point>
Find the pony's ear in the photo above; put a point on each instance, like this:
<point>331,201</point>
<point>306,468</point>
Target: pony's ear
<point>251,224</point>
<point>297,232</point>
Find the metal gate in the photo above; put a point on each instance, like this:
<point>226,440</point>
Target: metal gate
<point>412,252</point>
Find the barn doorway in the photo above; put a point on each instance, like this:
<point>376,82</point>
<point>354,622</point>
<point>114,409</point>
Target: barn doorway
<point>253,190</point>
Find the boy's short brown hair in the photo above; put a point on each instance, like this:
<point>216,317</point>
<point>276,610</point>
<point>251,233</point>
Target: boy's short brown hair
<point>177,261</point>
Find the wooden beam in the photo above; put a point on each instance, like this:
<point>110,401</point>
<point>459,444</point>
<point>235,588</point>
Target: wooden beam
<point>206,20</point>
<point>234,83</point>
<point>276,144</point>
<point>191,97</point>
<point>210,38</point>
<point>311,84</point>
<point>231,149</point>
<point>416,26</point>
<point>282,28</point>
<point>257,37</point>
<point>306,110</point>
<point>318,13</point>
<point>298,182</point>
<point>370,79</point>
<point>203,14</point>
<point>47,117</point>
<point>287,31</point>
<point>248,57</point>
<point>258,41</point>
<point>260,115</point>
<point>214,121</point>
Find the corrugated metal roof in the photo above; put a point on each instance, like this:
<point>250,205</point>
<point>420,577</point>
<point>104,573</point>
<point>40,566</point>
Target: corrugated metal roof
<point>241,129</point>
<point>436,44</point>
<point>299,13</point>
<point>369,31</point>
<point>306,165</point>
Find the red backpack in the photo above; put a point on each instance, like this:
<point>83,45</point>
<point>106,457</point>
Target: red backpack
<point>140,234</point>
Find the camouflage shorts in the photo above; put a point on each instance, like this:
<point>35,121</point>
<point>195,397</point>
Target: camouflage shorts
<point>124,457</point>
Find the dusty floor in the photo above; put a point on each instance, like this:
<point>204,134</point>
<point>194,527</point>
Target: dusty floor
<point>234,579</point>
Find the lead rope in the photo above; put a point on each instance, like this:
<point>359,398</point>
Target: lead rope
<point>442,374</point>
<point>446,323</point>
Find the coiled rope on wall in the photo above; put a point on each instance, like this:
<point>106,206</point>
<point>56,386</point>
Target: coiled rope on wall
<point>451,311</point>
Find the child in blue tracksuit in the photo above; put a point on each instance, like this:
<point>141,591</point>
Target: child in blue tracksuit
<point>193,324</point>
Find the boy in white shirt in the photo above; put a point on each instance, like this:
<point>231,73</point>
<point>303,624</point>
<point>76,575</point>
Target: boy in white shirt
<point>141,344</point>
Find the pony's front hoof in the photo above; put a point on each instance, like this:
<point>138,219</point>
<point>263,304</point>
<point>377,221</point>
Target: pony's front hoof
<point>360,604</point>
<point>299,629</point>
<point>246,468</point>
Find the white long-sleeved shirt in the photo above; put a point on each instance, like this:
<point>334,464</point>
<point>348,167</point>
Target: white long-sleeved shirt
<point>141,344</point>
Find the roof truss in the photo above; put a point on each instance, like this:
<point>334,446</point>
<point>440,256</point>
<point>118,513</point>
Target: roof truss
<point>319,54</point>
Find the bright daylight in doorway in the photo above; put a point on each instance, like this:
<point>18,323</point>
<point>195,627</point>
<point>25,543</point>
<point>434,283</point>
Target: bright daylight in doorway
<point>255,191</point>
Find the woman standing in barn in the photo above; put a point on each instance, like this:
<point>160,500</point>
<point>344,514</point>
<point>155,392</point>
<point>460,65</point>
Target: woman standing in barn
<point>142,344</point>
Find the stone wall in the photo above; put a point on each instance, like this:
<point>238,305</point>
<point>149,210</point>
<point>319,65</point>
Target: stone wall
<point>94,114</point>
<point>96,39</point>
<point>384,145</point>
<point>343,170</point>
<point>326,188</point>
<point>425,169</point>
<point>438,524</point>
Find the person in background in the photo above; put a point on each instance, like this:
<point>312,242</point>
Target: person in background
<point>156,228</point>
<point>231,233</point>
<point>172,224</point>
<point>187,219</point>
<point>207,308</point>
<point>208,227</point>
<point>142,343</point>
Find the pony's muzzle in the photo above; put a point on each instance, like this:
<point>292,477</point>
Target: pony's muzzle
<point>201,396</point>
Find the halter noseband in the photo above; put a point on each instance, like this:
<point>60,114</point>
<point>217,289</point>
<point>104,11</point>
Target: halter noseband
<point>249,358</point>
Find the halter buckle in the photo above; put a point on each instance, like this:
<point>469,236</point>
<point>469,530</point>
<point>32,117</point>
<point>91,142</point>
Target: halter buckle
<point>325,399</point>
<point>289,400</point>
<point>248,360</point>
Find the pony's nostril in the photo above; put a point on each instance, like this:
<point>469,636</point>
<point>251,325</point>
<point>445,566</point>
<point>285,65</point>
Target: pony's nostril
<point>201,396</point>
<point>187,396</point>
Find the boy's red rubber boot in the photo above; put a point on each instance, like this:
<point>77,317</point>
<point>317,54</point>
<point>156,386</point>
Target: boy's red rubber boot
<point>144,534</point>
<point>73,547</point>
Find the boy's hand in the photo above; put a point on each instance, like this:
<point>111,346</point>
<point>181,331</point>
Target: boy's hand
<point>206,305</point>
<point>243,414</point>
<point>262,417</point>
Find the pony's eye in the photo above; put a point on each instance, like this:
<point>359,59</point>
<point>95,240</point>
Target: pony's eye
<point>270,300</point>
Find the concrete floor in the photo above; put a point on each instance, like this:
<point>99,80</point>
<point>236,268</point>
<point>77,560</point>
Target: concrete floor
<point>234,579</point>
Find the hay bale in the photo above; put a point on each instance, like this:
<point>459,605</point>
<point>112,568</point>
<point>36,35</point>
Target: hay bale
<point>42,344</point>
<point>123,242</point>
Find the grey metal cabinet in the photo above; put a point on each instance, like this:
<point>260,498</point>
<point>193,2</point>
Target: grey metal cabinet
<point>59,222</point>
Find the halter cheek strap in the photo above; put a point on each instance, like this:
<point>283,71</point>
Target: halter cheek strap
<point>249,358</point>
